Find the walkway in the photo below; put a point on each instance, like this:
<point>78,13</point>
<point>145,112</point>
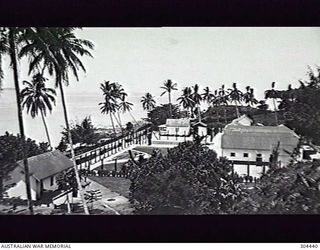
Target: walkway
<point>113,202</point>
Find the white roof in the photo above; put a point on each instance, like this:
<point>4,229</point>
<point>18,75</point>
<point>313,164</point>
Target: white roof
<point>182,122</point>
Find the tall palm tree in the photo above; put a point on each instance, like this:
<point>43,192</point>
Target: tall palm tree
<point>148,102</point>
<point>57,51</point>
<point>207,95</point>
<point>196,97</point>
<point>36,97</point>
<point>11,40</point>
<point>118,93</point>
<point>216,102</point>
<point>223,96</point>
<point>109,106</point>
<point>186,100</point>
<point>249,97</point>
<point>168,87</point>
<point>236,96</point>
<point>273,94</point>
<point>125,106</point>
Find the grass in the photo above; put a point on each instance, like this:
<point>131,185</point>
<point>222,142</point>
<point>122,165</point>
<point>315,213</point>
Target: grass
<point>115,184</point>
<point>149,149</point>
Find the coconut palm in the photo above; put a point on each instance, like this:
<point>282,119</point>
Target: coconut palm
<point>196,97</point>
<point>186,100</point>
<point>207,95</point>
<point>223,97</point>
<point>148,102</point>
<point>236,96</point>
<point>168,87</point>
<point>125,106</point>
<point>11,41</point>
<point>57,51</point>
<point>37,98</point>
<point>216,103</point>
<point>109,106</point>
<point>249,98</point>
<point>273,94</point>
<point>118,93</point>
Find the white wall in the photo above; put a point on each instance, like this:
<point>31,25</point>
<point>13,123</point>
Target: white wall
<point>47,186</point>
<point>251,157</point>
<point>202,131</point>
<point>19,190</point>
<point>182,130</point>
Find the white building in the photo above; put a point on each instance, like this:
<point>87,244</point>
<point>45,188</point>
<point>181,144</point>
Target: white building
<point>43,170</point>
<point>249,148</point>
<point>176,127</point>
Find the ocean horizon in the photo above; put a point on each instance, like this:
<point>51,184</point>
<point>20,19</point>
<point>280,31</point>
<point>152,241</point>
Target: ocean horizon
<point>79,106</point>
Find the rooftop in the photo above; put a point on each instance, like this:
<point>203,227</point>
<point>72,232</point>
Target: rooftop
<point>183,122</point>
<point>47,164</point>
<point>259,138</point>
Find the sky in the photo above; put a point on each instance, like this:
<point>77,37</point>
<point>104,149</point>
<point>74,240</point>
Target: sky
<point>141,59</point>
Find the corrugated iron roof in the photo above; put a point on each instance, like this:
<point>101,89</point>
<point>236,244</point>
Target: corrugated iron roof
<point>183,122</point>
<point>47,164</point>
<point>259,138</point>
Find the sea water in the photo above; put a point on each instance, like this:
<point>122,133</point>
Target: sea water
<point>79,105</point>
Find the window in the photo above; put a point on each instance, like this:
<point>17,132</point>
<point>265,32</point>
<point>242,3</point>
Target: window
<point>51,180</point>
<point>232,154</point>
<point>259,155</point>
<point>245,155</point>
<point>259,160</point>
<point>177,130</point>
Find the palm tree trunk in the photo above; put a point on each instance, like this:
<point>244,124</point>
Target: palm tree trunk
<point>114,129</point>
<point>133,118</point>
<point>46,128</point>
<point>118,120</point>
<point>199,113</point>
<point>237,110</point>
<point>275,111</point>
<point>13,57</point>
<point>169,93</point>
<point>225,114</point>
<point>84,203</point>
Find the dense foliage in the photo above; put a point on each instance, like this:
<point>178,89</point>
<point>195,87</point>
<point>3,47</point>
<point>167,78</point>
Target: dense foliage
<point>290,190</point>
<point>301,107</point>
<point>83,133</point>
<point>160,114</point>
<point>190,179</point>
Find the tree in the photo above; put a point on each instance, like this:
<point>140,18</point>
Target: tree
<point>148,102</point>
<point>207,95</point>
<point>109,106</point>
<point>300,107</point>
<point>11,151</point>
<point>125,106</point>
<point>160,114</point>
<point>168,87</point>
<point>236,96</point>
<point>186,100</point>
<point>273,94</point>
<point>223,97</point>
<point>190,179</point>
<point>83,132</point>
<point>10,41</point>
<point>293,189</point>
<point>36,97</point>
<point>196,97</point>
<point>56,51</point>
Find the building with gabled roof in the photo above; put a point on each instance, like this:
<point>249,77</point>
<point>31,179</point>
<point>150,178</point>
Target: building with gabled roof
<point>43,170</point>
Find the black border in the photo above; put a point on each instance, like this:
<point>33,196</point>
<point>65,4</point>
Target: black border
<point>157,13</point>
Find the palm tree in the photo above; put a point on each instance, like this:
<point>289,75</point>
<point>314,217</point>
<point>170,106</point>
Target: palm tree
<point>148,102</point>
<point>186,100</point>
<point>11,39</point>
<point>223,96</point>
<point>207,95</point>
<point>36,97</point>
<point>216,102</point>
<point>196,97</point>
<point>236,96</point>
<point>168,87</point>
<point>273,94</point>
<point>249,98</point>
<point>125,106</point>
<point>109,106</point>
<point>57,50</point>
<point>118,93</point>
